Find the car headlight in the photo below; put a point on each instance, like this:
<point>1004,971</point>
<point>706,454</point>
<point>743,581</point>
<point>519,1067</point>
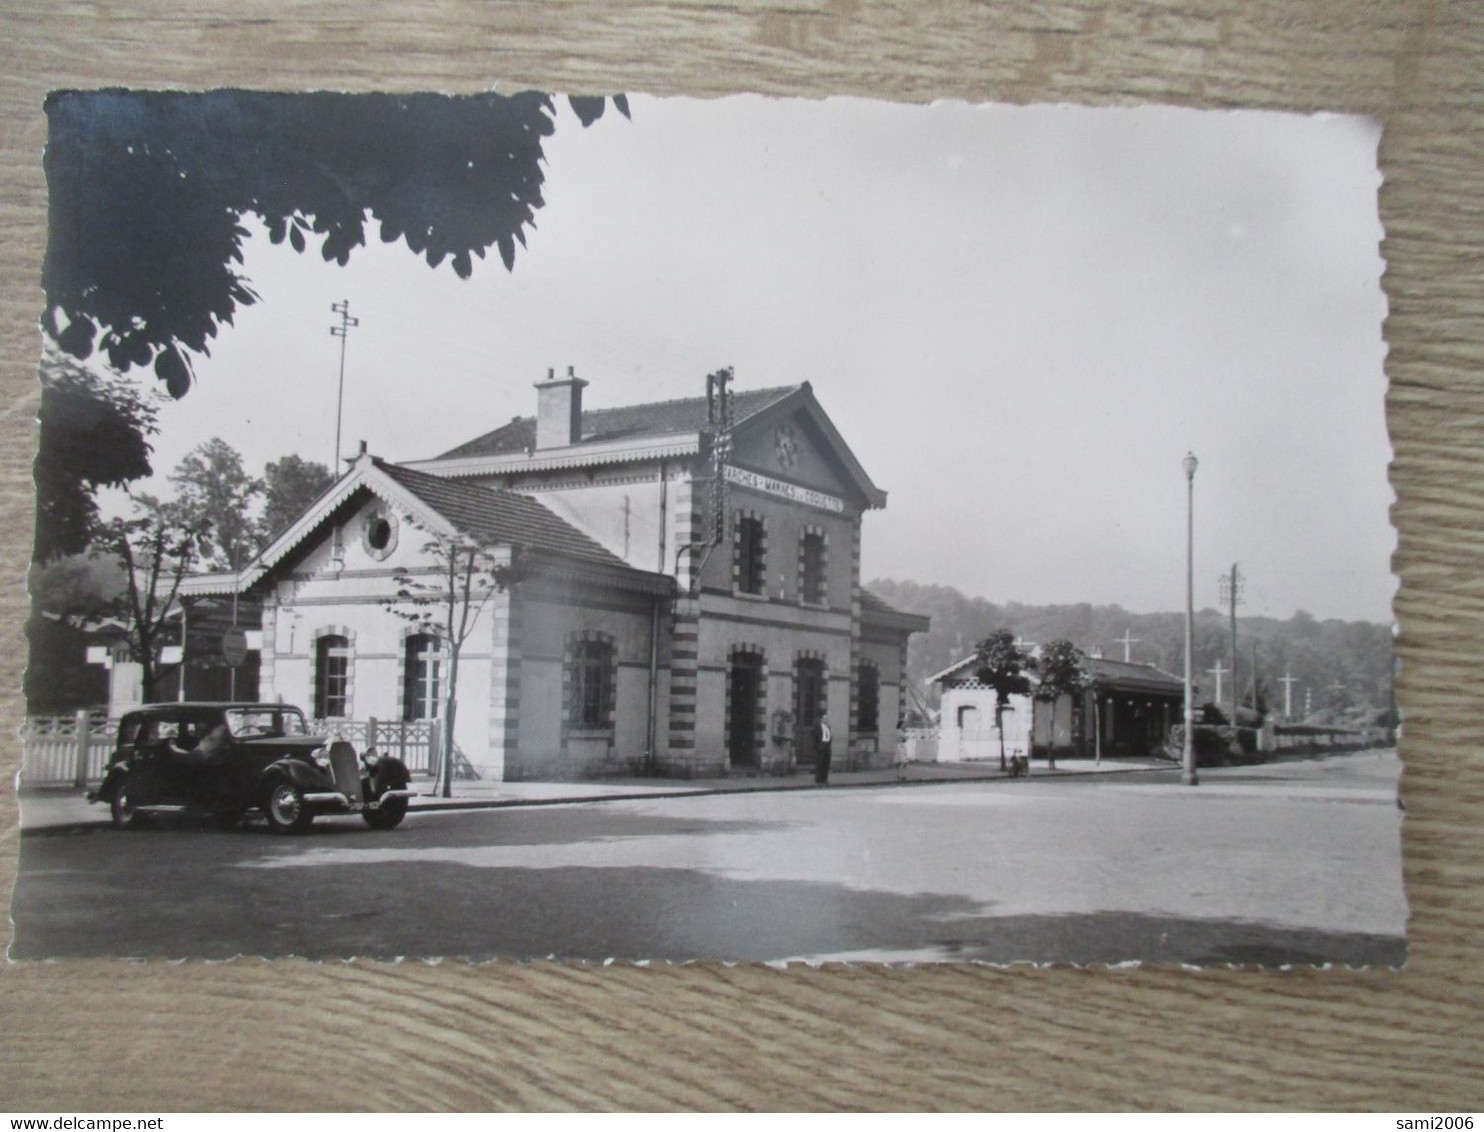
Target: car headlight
<point>321,758</point>
<point>371,758</point>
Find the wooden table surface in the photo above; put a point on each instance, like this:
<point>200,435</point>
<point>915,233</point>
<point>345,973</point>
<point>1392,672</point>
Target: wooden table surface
<point>156,1036</point>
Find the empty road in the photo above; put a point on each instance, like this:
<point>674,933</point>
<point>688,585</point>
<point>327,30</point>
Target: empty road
<point>1294,862</point>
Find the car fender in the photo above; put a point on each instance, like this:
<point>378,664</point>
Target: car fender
<point>306,776</point>
<point>110,784</point>
<point>389,773</point>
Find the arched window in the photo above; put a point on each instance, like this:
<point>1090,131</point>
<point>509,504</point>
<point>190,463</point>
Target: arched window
<point>424,676</point>
<point>590,684</point>
<point>331,676</point>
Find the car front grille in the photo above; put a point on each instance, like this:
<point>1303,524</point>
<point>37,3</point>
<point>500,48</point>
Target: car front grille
<point>347,770</point>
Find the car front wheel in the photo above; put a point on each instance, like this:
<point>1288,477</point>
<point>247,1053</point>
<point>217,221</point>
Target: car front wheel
<point>125,814</point>
<point>286,810</point>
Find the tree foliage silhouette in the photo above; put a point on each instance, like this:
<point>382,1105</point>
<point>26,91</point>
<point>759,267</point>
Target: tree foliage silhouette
<point>216,492</point>
<point>148,192</point>
<point>290,485</point>
<point>95,431</point>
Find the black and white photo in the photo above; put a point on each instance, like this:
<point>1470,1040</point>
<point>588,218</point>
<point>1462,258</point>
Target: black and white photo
<point>658,529</point>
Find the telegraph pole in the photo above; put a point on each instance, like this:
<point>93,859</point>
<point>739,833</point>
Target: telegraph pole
<point>719,412</point>
<point>1231,592</point>
<point>342,332</point>
<point>1219,672</point>
<point>1254,674</point>
<point>1189,775</point>
<point>1288,681</point>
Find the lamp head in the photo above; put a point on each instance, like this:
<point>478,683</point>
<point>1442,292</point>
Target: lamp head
<point>1189,464</point>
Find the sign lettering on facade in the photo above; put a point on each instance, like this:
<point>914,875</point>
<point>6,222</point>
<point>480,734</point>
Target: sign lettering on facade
<point>792,491</point>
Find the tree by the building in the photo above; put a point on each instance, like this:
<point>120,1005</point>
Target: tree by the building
<point>290,485</point>
<point>216,494</point>
<point>447,598</point>
<point>1062,671</point>
<point>1000,664</point>
<point>156,548</point>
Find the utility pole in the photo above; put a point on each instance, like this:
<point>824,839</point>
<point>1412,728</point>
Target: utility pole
<point>719,416</point>
<point>1188,774</point>
<point>1231,593</point>
<point>1288,681</point>
<point>342,332</point>
<point>1219,672</point>
<point>1126,640</point>
<point>718,435</point>
<point>1254,674</point>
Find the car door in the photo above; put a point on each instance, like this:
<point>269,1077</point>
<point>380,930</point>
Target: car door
<point>151,778</point>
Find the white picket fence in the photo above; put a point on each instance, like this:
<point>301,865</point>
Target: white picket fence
<point>73,750</point>
<point>66,750</point>
<point>415,742</point>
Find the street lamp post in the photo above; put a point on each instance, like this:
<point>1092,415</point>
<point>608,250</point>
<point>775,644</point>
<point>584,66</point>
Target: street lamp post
<point>1188,775</point>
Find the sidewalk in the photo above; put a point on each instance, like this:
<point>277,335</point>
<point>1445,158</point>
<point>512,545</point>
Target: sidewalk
<point>53,808</point>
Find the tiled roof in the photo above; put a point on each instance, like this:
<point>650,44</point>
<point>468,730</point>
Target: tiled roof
<point>500,516</point>
<point>1113,675</point>
<point>1131,677</point>
<point>660,418</point>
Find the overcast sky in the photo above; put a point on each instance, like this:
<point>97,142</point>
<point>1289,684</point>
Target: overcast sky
<point>1019,318</point>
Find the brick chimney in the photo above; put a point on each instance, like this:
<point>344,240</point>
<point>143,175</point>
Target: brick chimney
<point>559,410</point>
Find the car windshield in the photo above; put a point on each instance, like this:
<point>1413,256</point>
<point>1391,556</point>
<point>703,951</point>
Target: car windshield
<point>258,722</point>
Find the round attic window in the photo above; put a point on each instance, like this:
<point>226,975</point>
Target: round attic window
<point>380,534</point>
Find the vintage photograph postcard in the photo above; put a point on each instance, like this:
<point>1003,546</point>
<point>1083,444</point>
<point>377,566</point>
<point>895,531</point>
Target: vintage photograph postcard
<point>639,529</point>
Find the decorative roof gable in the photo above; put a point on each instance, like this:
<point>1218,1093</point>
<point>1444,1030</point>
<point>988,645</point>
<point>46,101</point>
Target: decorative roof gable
<point>445,507</point>
<point>490,515</point>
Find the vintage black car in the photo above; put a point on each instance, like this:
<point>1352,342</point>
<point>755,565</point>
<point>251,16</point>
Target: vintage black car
<point>224,760</point>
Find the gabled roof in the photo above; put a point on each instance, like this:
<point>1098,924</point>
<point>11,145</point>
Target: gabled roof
<point>1127,676</point>
<point>446,507</point>
<point>629,422</point>
<point>659,430</point>
<point>1111,675</point>
<point>491,515</point>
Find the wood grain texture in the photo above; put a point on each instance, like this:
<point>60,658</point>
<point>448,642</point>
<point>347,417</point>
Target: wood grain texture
<point>82,1035</point>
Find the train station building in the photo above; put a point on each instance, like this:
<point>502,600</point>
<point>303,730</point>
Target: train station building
<point>680,591</point>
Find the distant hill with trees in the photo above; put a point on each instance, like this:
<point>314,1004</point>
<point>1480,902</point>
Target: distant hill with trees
<point>1320,654</point>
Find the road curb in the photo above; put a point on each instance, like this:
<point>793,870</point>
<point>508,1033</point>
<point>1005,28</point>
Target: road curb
<point>704,791</point>
<point>457,804</point>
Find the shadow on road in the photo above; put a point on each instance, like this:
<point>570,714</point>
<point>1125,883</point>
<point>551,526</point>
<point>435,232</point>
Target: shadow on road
<point>428,909</point>
<point>547,826</point>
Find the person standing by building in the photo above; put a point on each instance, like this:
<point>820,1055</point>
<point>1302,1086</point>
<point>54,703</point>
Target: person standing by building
<point>822,752</point>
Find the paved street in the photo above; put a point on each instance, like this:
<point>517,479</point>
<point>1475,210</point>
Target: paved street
<point>1292,862</point>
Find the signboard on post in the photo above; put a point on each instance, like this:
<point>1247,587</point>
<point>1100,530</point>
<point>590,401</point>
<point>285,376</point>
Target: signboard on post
<point>234,646</point>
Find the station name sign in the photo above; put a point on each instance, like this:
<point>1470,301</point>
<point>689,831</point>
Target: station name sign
<point>783,489</point>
